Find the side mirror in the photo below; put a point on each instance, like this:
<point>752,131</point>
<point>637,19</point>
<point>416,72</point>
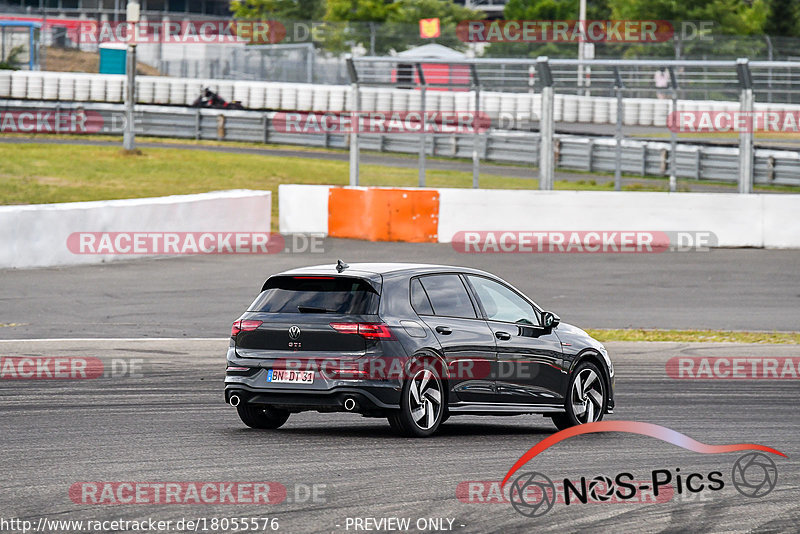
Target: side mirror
<point>550,319</point>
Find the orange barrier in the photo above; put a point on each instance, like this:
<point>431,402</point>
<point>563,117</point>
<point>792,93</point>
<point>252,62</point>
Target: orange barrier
<point>377,214</point>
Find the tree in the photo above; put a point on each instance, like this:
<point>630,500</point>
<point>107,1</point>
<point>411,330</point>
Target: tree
<point>12,61</point>
<point>555,10</point>
<point>278,9</point>
<point>358,10</point>
<point>382,25</point>
<point>783,19</point>
<point>546,10</point>
<point>736,30</point>
<point>731,17</point>
<point>387,26</point>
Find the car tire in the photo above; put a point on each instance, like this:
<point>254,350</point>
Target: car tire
<point>421,404</point>
<point>586,397</point>
<point>394,424</point>
<point>262,416</point>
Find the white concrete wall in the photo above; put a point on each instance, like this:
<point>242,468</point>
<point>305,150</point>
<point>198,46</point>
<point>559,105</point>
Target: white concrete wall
<point>781,221</point>
<point>303,208</point>
<point>737,220</point>
<point>36,235</point>
<point>758,220</point>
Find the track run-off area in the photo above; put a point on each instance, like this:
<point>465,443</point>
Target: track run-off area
<point>152,411</point>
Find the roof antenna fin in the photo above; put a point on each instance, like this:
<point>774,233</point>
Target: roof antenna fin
<point>341,266</point>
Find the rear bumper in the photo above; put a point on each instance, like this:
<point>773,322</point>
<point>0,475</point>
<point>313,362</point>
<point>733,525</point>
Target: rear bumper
<point>368,399</point>
<point>325,394</point>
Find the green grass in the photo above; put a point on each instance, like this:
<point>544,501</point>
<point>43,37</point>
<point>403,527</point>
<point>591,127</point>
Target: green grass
<point>171,141</point>
<point>685,336</point>
<point>41,174</point>
<point>49,173</point>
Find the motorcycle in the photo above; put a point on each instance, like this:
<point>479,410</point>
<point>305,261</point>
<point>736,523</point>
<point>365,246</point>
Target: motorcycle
<point>210,100</point>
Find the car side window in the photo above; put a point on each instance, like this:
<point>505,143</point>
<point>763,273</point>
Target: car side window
<point>419,300</point>
<point>448,296</point>
<point>501,303</point>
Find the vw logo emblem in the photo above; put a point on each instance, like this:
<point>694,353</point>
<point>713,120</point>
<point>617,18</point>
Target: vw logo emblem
<point>294,332</point>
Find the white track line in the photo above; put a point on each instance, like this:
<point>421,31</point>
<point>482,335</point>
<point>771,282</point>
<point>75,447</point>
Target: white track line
<point>115,339</point>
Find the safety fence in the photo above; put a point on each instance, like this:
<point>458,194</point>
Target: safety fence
<point>571,152</point>
<point>739,78</point>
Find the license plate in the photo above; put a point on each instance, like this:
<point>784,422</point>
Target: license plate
<point>280,376</point>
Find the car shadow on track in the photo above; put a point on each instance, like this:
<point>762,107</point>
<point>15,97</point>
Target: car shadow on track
<point>383,431</point>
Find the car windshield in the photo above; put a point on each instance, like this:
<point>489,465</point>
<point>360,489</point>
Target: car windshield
<point>317,294</point>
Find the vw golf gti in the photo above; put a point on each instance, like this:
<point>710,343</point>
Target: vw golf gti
<point>412,343</point>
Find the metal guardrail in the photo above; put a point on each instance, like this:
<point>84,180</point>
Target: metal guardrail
<point>571,152</point>
<point>523,74</point>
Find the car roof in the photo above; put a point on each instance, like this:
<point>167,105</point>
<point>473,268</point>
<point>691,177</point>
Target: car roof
<point>361,269</point>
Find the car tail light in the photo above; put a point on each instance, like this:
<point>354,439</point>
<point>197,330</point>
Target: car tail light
<point>244,326</point>
<point>365,330</point>
<point>346,374</point>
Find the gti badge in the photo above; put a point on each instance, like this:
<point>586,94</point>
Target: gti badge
<point>294,333</point>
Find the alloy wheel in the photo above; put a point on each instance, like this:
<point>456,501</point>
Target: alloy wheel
<point>425,398</point>
<point>587,396</point>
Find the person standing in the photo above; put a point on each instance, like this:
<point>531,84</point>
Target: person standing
<point>661,79</point>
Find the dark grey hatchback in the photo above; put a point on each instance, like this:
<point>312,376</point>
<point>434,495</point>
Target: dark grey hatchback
<point>413,343</point>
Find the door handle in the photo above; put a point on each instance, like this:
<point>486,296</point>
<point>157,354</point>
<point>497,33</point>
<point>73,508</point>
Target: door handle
<point>502,335</point>
<point>444,330</point>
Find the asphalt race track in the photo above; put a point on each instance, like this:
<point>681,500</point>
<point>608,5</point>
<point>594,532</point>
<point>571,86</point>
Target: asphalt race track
<point>736,289</point>
<point>156,414</point>
<point>168,423</point>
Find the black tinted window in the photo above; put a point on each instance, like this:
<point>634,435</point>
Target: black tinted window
<point>419,300</point>
<point>320,294</point>
<point>448,296</point>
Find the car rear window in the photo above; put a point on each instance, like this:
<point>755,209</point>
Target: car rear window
<point>419,300</point>
<point>317,294</point>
